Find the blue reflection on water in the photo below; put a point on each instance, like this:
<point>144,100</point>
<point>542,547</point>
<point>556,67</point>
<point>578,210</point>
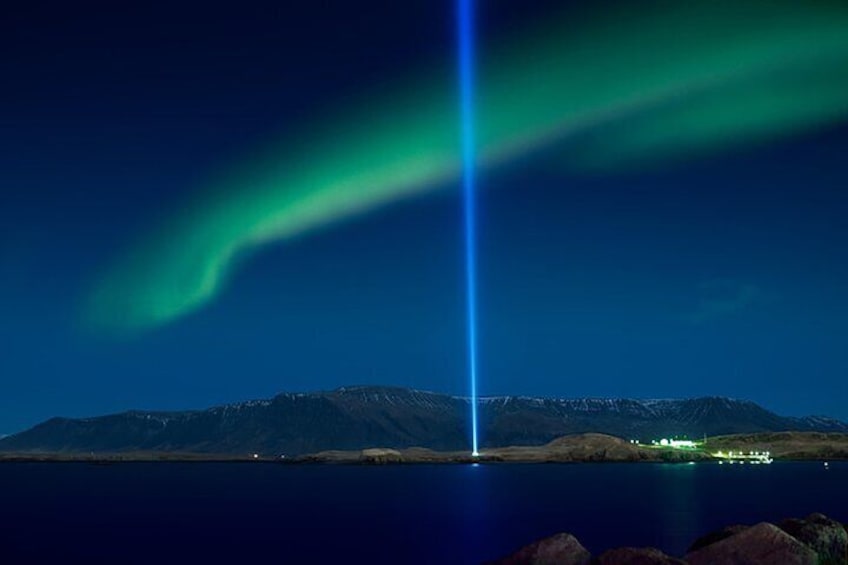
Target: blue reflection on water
<point>392,514</point>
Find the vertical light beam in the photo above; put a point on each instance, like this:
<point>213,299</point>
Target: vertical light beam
<point>466,41</point>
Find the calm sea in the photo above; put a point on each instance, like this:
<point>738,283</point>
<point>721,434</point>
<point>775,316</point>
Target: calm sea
<point>194,512</point>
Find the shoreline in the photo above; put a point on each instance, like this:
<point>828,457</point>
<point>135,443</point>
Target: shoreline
<point>581,448</point>
<point>354,458</point>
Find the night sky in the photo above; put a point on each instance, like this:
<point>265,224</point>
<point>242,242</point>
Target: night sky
<point>718,270</point>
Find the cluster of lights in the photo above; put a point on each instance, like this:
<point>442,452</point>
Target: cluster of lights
<point>753,457</point>
<point>676,443</point>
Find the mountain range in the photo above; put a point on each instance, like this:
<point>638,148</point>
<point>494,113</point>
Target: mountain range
<point>366,416</point>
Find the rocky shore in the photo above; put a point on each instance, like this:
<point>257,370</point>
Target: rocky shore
<point>814,540</point>
<point>577,448</point>
<point>569,449</point>
<point>593,447</point>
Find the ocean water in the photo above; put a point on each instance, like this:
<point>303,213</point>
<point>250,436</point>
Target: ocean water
<point>238,512</point>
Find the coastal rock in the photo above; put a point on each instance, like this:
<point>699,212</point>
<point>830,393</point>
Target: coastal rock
<point>380,456</point>
<point>814,540</point>
<point>559,549</point>
<point>826,537</point>
<point>716,536</point>
<point>763,543</point>
<point>636,556</point>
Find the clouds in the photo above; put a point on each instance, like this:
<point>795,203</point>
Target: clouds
<point>723,298</point>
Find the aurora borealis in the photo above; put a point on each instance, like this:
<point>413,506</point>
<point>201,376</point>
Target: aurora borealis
<point>606,90</point>
<point>211,203</point>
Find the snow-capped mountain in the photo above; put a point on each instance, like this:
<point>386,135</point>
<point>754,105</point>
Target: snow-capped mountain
<point>359,417</point>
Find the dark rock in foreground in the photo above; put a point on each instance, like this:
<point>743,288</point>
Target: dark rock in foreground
<point>716,536</point>
<point>636,556</point>
<point>559,549</point>
<point>763,543</point>
<point>826,537</point>
<point>815,540</point>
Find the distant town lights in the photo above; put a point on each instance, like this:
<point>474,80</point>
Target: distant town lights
<point>676,443</point>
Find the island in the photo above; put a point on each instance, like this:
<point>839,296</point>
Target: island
<point>576,448</point>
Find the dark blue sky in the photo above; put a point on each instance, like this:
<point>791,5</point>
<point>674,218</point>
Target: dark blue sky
<point>725,275</point>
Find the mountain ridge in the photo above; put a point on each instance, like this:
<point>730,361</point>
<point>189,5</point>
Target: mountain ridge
<point>357,417</point>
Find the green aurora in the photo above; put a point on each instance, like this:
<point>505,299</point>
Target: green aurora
<point>604,90</point>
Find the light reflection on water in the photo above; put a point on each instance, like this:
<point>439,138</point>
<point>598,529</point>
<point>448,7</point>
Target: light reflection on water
<point>391,514</point>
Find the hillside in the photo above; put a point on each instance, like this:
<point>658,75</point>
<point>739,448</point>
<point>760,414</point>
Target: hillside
<point>354,418</point>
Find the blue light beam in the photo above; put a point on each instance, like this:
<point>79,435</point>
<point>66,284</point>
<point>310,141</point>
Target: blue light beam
<point>466,40</point>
